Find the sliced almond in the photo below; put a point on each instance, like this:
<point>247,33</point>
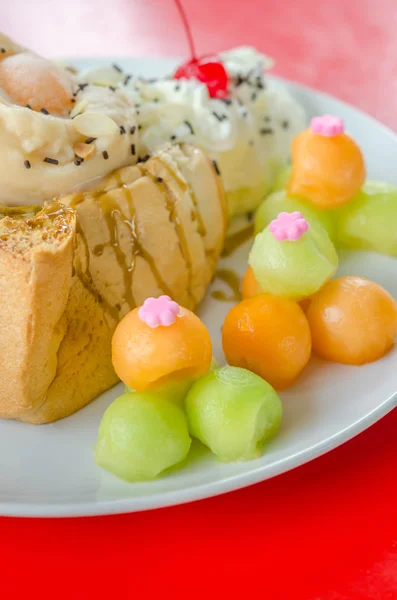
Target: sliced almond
<point>80,106</point>
<point>93,124</point>
<point>84,150</point>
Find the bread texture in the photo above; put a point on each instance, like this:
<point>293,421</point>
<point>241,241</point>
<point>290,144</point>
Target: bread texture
<point>70,271</point>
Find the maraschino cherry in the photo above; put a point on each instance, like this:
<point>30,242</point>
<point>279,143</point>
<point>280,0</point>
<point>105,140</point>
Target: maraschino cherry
<point>204,69</point>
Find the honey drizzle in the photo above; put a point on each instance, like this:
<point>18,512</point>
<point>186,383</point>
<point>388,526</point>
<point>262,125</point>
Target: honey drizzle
<point>235,240</point>
<point>86,278</point>
<point>111,210</point>
<point>170,204</point>
<point>200,223</point>
<point>201,229</point>
<point>139,250</point>
<point>233,281</point>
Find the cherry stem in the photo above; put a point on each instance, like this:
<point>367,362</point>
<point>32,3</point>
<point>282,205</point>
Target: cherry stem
<point>186,26</point>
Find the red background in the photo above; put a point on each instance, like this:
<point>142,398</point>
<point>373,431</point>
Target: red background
<point>326,531</point>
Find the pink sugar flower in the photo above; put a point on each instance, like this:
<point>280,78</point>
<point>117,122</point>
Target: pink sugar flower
<point>327,125</point>
<point>159,311</point>
<point>288,226</point>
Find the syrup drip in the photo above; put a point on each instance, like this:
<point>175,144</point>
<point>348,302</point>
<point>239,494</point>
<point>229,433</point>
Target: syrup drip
<point>170,203</point>
<point>115,218</point>
<point>235,240</point>
<point>231,278</point>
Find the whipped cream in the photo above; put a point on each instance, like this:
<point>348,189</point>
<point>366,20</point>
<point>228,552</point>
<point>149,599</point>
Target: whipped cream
<point>248,134</point>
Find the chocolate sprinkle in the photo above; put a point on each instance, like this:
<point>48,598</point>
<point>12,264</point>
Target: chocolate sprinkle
<point>117,68</point>
<point>28,106</point>
<point>122,129</point>
<point>173,138</point>
<point>78,161</point>
<point>266,131</point>
<point>217,171</point>
<point>226,101</point>
<point>82,86</point>
<point>3,50</point>
<point>105,154</point>
<point>51,161</point>
<point>111,87</point>
<point>90,140</point>
<point>27,164</point>
<point>139,127</point>
<point>133,149</point>
<point>190,127</point>
<point>126,80</point>
<point>73,100</point>
<point>219,117</point>
<point>159,179</point>
<point>44,111</point>
<point>144,158</point>
<point>132,130</point>
<point>177,87</point>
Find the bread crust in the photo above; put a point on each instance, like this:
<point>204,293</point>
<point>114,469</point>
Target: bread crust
<point>70,272</point>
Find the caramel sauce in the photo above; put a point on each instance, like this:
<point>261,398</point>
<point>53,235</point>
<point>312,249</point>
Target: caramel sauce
<point>233,281</point>
<point>112,214</point>
<point>115,218</point>
<point>170,202</point>
<point>235,240</point>
<point>174,175</point>
<point>139,250</point>
<point>86,277</point>
<point>19,212</point>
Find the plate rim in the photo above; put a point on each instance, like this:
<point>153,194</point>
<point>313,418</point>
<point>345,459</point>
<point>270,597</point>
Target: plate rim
<point>232,482</point>
<point>200,491</point>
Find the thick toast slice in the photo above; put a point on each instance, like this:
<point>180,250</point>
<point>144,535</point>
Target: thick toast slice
<point>71,271</point>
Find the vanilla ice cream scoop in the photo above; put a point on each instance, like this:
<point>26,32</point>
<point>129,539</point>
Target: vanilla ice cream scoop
<point>248,133</point>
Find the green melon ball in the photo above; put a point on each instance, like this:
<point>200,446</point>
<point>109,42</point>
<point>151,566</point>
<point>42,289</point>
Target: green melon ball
<point>233,412</point>
<point>140,436</point>
<point>279,202</point>
<point>369,221</point>
<point>281,178</point>
<point>296,269</point>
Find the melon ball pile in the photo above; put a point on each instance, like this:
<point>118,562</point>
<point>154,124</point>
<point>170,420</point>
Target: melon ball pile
<point>292,307</point>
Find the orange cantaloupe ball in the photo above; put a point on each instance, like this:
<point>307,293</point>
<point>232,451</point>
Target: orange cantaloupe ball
<point>249,285</point>
<point>250,288</point>
<point>304,304</point>
<point>352,321</point>
<point>269,336</point>
<point>30,80</point>
<point>145,358</point>
<point>327,171</point>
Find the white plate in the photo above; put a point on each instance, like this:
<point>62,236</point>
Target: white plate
<point>49,470</point>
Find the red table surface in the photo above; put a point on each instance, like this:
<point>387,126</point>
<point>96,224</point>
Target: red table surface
<point>325,531</point>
